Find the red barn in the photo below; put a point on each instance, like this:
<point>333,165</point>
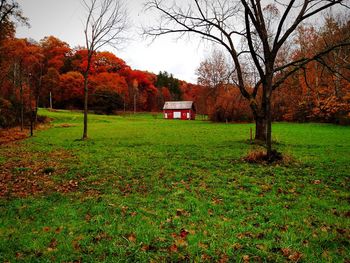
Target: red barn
<point>183,110</point>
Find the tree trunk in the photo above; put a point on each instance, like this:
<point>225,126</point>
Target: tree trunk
<point>22,106</point>
<point>50,100</point>
<point>268,129</point>
<point>267,106</point>
<point>86,94</point>
<point>260,128</point>
<point>85,105</point>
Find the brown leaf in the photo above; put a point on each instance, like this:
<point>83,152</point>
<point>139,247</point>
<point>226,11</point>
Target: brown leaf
<point>133,214</point>
<point>237,246</point>
<point>324,228</point>
<point>181,212</point>
<point>202,245</point>
<point>296,256</point>
<point>206,257</point>
<point>87,217</point>
<point>124,209</point>
<point>286,252</point>
<point>181,242</point>
<point>173,235</point>
<point>46,229</point>
<point>224,259</point>
<point>145,248</point>
<point>132,238</point>
<point>316,182</point>
<point>173,248</point>
<point>58,230</point>
<point>217,201</point>
<point>53,244</point>
<point>75,244</point>
<point>246,258</point>
<point>192,231</point>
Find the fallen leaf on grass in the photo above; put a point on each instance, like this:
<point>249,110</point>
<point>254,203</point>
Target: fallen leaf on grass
<point>325,228</point>
<point>132,238</point>
<point>101,236</point>
<point>246,258</point>
<point>291,255</point>
<point>206,257</point>
<point>181,242</point>
<point>296,256</point>
<point>76,244</point>
<point>53,245</point>
<point>217,201</point>
<point>181,212</point>
<point>145,248</point>
<point>316,182</point>
<point>173,248</point>
<point>224,259</point>
<point>46,228</point>
<point>237,246</point>
<point>133,214</point>
<point>286,252</point>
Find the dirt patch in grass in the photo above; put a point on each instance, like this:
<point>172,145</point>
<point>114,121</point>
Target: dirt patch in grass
<point>260,157</point>
<point>65,125</point>
<point>15,134</point>
<point>25,173</point>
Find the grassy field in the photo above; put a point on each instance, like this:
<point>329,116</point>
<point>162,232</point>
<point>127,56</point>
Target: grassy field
<point>143,189</point>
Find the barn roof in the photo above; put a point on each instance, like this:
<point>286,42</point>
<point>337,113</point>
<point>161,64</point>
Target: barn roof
<point>178,105</point>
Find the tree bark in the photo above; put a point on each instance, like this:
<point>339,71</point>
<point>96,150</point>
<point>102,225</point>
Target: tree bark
<point>268,129</point>
<point>22,106</point>
<point>260,128</point>
<point>85,106</point>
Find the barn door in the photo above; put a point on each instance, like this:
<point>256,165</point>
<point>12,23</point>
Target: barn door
<point>177,115</point>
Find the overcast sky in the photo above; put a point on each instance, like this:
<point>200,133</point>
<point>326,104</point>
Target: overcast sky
<point>65,18</point>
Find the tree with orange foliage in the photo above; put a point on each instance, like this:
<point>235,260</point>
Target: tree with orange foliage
<point>109,92</point>
<point>55,52</point>
<point>70,93</point>
<point>22,58</point>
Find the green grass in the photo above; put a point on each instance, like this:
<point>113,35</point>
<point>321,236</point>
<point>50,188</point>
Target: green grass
<point>144,189</point>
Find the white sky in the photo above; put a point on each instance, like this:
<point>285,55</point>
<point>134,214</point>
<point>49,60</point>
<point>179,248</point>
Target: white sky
<point>64,19</point>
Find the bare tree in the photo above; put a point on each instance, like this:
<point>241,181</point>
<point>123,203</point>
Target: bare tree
<point>105,24</point>
<point>249,30</point>
<point>214,71</point>
<point>11,12</point>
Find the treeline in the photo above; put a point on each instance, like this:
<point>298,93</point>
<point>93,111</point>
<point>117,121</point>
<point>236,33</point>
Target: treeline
<point>50,74</point>
<point>318,92</point>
